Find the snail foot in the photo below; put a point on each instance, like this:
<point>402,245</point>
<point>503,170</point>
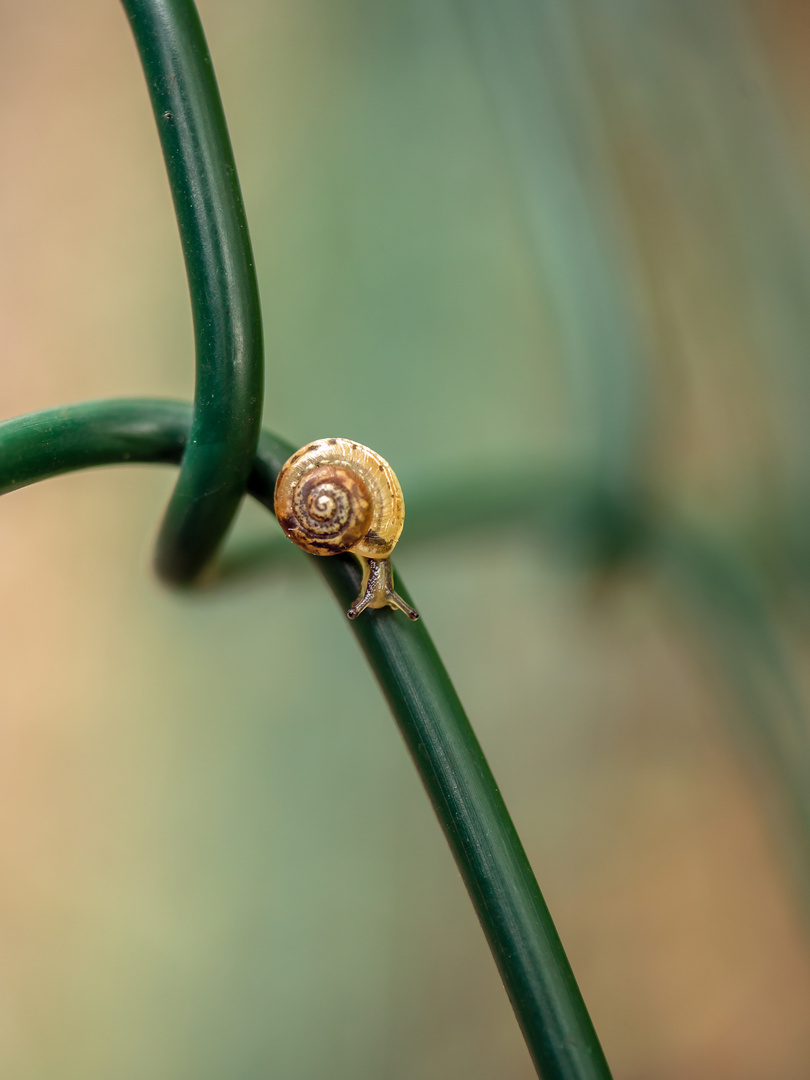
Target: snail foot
<point>377,589</point>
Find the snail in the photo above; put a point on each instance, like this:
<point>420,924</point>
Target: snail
<point>335,495</point>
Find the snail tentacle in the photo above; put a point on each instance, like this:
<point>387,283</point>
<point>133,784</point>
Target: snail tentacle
<point>377,589</point>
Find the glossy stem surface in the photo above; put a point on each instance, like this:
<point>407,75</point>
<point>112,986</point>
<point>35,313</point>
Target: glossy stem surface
<point>222,283</point>
<point>450,762</point>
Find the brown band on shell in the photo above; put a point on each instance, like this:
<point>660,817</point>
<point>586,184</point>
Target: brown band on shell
<point>373,541</point>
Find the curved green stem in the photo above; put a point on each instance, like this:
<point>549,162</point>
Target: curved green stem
<point>222,282</point>
<point>450,762</point>
<point>481,835</point>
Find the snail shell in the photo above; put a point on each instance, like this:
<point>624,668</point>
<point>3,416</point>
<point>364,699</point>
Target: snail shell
<point>335,495</point>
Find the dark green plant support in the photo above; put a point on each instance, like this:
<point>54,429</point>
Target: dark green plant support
<point>215,444</point>
<point>221,279</point>
<point>443,746</point>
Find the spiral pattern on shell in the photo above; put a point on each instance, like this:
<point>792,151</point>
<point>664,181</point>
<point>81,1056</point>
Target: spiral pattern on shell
<point>336,495</point>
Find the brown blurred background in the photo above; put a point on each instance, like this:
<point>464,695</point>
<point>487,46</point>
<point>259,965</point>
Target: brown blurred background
<point>570,237</point>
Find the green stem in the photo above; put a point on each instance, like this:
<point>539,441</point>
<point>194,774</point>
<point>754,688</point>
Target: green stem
<point>450,762</point>
<point>222,283</point>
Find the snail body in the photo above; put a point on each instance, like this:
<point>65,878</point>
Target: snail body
<point>335,496</point>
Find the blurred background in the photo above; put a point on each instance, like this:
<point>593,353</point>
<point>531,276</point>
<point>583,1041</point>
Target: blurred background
<point>555,251</point>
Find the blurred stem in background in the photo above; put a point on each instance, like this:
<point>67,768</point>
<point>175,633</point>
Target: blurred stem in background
<point>544,103</point>
<point>724,608</point>
<point>747,202</point>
